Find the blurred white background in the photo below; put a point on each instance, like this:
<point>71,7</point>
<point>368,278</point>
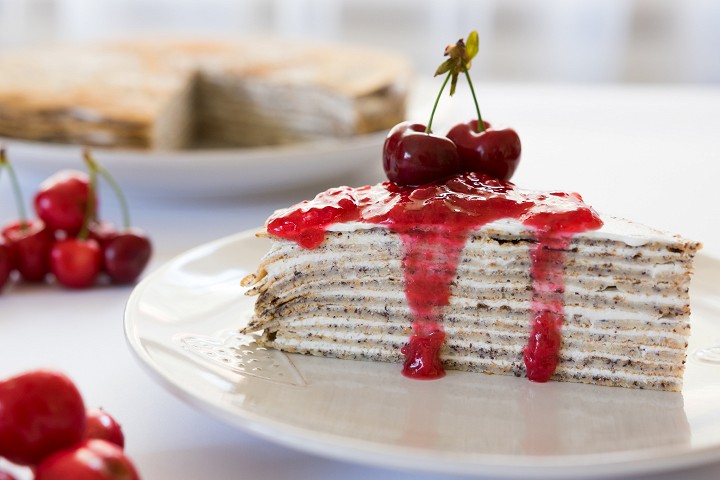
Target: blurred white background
<point>658,41</point>
<point>616,99</point>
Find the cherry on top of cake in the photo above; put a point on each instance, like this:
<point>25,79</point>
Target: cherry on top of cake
<point>414,155</point>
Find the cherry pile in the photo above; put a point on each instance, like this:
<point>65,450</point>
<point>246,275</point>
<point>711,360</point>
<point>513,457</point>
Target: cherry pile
<point>413,155</point>
<point>67,241</point>
<point>45,426</point>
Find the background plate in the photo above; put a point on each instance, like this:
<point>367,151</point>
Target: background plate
<point>182,321</point>
<point>206,173</point>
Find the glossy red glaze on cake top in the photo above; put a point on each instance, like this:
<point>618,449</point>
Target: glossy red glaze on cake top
<point>434,222</point>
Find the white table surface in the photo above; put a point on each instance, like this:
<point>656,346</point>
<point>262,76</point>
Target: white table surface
<point>647,153</point>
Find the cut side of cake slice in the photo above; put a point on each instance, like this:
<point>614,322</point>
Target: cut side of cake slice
<point>475,274</point>
<point>275,93</point>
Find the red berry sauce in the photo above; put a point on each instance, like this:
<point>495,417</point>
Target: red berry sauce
<point>434,222</point>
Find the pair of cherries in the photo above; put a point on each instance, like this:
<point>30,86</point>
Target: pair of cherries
<point>412,156</point>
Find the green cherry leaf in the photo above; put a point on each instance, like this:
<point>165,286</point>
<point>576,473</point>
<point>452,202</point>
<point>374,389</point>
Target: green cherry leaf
<point>445,67</point>
<point>453,83</point>
<point>472,45</point>
<point>459,58</point>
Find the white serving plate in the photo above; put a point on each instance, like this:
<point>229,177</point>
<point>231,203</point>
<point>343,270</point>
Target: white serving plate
<point>207,173</point>
<point>182,321</point>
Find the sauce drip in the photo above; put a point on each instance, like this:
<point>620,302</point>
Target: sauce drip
<point>434,222</point>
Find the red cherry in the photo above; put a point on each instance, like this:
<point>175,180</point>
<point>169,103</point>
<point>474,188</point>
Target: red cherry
<point>127,255</point>
<point>30,242</point>
<point>62,201</point>
<point>495,152</point>
<point>75,262</point>
<point>102,232</point>
<point>91,460</point>
<point>413,157</point>
<point>40,412</point>
<point>7,262</point>
<point>102,425</point>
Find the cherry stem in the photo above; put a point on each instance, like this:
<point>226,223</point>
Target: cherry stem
<point>428,129</point>
<point>90,207</point>
<point>96,167</point>
<point>481,124</point>
<point>22,214</point>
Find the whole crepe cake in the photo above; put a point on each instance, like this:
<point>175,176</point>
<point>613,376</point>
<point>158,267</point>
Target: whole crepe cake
<point>177,93</point>
<point>448,265</point>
